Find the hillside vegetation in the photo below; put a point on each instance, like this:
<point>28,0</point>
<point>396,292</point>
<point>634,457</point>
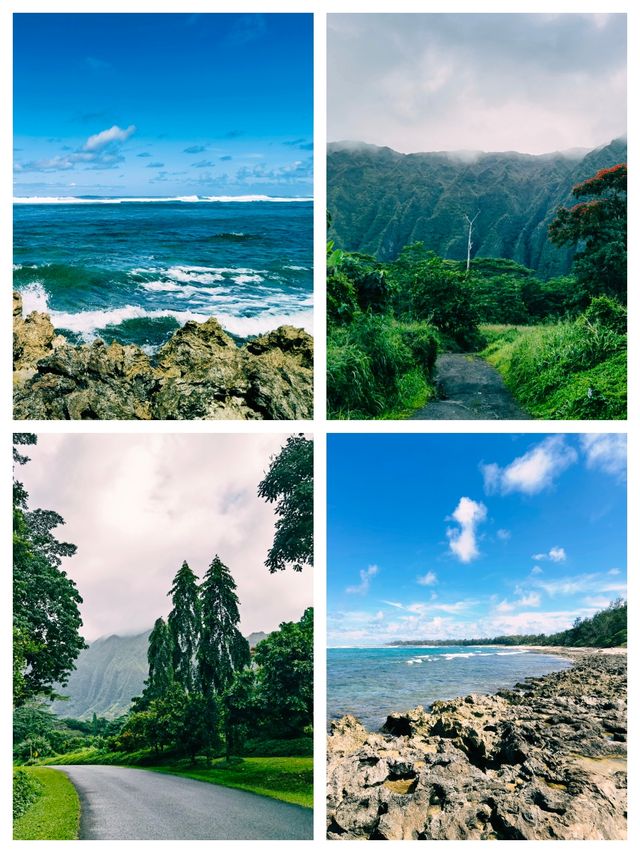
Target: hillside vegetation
<point>382,201</point>
<point>108,674</point>
<point>560,343</point>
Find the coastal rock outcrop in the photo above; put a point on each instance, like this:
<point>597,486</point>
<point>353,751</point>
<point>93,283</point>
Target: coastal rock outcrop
<point>545,760</point>
<point>200,373</point>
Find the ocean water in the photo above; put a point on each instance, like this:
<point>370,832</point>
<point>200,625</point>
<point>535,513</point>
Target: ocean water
<point>370,683</point>
<point>134,271</point>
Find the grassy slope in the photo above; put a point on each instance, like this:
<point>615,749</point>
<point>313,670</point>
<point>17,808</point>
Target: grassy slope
<point>546,370</point>
<point>56,814</point>
<point>287,779</point>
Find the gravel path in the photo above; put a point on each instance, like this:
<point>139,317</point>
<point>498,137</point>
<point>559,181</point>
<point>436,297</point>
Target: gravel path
<point>469,388</point>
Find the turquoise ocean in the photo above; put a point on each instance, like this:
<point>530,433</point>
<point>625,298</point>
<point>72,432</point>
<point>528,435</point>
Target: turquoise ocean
<point>136,270</point>
<point>371,683</point>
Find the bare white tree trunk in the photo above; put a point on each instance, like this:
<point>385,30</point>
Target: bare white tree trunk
<point>469,242</point>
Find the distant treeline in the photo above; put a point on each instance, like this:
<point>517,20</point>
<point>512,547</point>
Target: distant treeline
<point>605,629</point>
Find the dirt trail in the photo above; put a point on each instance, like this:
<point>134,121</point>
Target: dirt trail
<point>469,389</point>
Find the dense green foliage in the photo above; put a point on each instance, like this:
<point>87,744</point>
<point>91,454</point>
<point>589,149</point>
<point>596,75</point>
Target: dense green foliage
<point>379,364</point>
<point>184,628</point>
<point>274,698</point>
<point>382,201</point>
<point>55,815</point>
<point>573,370</point>
<point>231,696</point>
<point>38,733</point>
<point>46,616</point>
<point>160,656</point>
<point>598,227</point>
<point>566,359</point>
<point>289,484</point>
<point>605,629</point>
<point>26,790</point>
<point>222,650</point>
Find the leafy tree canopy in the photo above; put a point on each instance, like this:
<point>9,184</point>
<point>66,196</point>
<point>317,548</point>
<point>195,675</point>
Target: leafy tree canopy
<point>46,615</point>
<point>598,226</point>
<point>289,484</point>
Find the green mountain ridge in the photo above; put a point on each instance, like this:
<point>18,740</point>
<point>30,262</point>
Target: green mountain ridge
<point>381,200</point>
<point>108,674</point>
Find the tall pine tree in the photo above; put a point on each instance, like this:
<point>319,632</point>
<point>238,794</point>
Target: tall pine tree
<point>160,657</point>
<point>184,627</point>
<point>222,649</point>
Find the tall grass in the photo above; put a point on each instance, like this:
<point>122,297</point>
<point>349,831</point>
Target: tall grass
<point>379,367</point>
<point>573,370</point>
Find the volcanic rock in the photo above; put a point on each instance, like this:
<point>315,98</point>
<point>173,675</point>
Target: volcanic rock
<point>545,762</point>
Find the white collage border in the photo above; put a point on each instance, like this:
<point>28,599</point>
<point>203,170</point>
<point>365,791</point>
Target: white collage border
<point>319,426</point>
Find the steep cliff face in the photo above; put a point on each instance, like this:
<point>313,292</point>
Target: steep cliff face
<point>108,674</point>
<point>381,200</point>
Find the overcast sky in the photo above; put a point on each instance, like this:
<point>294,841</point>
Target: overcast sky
<point>137,506</point>
<point>507,82</point>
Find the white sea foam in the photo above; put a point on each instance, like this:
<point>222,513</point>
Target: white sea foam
<point>88,323</point>
<point>188,274</point>
<point>296,269</point>
<point>246,279</point>
<point>34,298</point>
<point>187,199</point>
<point>460,655</point>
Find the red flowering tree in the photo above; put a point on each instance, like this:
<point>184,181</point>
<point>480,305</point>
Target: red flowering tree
<point>597,226</point>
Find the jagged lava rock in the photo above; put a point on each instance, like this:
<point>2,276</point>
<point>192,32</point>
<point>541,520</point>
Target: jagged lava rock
<point>200,373</point>
<point>545,762</point>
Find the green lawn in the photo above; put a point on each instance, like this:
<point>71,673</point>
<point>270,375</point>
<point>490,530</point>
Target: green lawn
<point>55,815</point>
<point>287,779</point>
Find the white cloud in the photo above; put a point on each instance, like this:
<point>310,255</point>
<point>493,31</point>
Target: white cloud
<point>365,580</point>
<point>565,586</point>
<point>557,555</point>
<point>504,607</point>
<point>597,601</point>
<point>606,452</point>
<point>536,570</point>
<point>100,151</point>
<point>462,542</point>
<point>531,600</point>
<point>613,572</point>
<point>533,472</point>
<point>393,604</point>
<point>504,535</point>
<point>107,137</point>
<point>620,588</point>
<point>427,580</point>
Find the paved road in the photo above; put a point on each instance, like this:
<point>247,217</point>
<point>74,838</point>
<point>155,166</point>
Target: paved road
<point>469,388</point>
<point>120,803</point>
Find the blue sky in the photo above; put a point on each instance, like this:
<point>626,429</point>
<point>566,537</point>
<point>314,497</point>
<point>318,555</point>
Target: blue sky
<point>163,104</point>
<point>452,536</point>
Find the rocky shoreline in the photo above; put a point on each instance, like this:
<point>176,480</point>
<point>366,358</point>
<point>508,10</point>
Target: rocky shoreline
<point>199,374</point>
<point>544,760</point>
